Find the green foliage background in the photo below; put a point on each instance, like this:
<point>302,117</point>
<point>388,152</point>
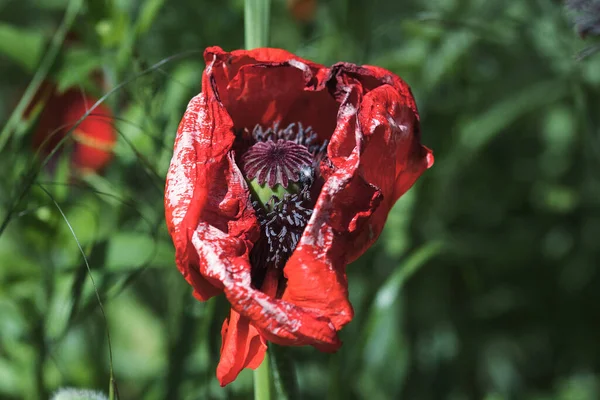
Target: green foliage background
<point>484,285</point>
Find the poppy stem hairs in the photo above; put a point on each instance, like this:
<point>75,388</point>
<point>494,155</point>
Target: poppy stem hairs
<point>283,172</point>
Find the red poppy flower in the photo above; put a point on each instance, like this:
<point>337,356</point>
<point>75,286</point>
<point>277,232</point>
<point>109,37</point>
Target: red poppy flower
<point>284,171</point>
<point>94,138</point>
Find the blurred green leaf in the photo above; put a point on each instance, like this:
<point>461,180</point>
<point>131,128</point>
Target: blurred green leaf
<point>380,337</point>
<point>133,127</point>
<point>23,46</point>
<point>396,234</point>
<point>480,130</point>
<point>389,291</point>
<point>84,220</point>
<point>10,384</point>
<point>131,250</point>
<point>148,14</point>
<point>444,59</point>
<point>140,345</point>
<point>77,67</point>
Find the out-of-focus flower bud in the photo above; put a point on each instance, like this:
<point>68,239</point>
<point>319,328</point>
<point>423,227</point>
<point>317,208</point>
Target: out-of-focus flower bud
<point>302,10</point>
<point>94,138</point>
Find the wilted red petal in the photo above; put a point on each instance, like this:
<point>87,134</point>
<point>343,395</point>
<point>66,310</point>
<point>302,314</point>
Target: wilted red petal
<point>193,183</point>
<point>205,187</point>
<point>374,156</point>
<point>266,85</point>
<point>316,271</point>
<point>391,131</point>
<point>242,347</point>
<point>225,258</point>
<point>388,143</point>
<point>376,124</point>
<point>370,77</point>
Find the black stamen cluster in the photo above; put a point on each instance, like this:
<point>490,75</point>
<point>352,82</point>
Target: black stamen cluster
<point>282,219</point>
<point>282,223</point>
<point>300,135</point>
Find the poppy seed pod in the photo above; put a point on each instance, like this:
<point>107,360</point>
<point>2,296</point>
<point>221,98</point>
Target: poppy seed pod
<point>283,172</point>
<point>94,138</point>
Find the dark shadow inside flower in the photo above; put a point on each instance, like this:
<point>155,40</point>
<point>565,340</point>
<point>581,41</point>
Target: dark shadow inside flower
<point>253,97</point>
<point>282,168</point>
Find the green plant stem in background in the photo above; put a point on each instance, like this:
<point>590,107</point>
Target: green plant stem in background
<point>256,23</point>
<point>42,71</point>
<point>262,380</point>
<point>256,32</point>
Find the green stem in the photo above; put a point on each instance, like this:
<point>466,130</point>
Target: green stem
<point>262,380</point>
<point>256,32</point>
<point>256,23</point>
<point>42,71</point>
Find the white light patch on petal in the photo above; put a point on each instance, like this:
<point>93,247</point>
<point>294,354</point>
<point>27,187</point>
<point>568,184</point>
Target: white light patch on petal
<point>346,111</point>
<point>274,312</point>
<point>237,280</point>
<point>209,67</point>
<point>398,124</point>
<point>300,65</point>
<point>179,188</point>
<point>236,179</point>
<point>217,267</point>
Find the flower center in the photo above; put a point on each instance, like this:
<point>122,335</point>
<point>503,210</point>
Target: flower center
<point>276,163</point>
<point>281,168</point>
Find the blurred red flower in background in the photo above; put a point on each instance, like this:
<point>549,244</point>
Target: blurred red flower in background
<point>302,10</point>
<point>93,139</point>
<point>284,171</point>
